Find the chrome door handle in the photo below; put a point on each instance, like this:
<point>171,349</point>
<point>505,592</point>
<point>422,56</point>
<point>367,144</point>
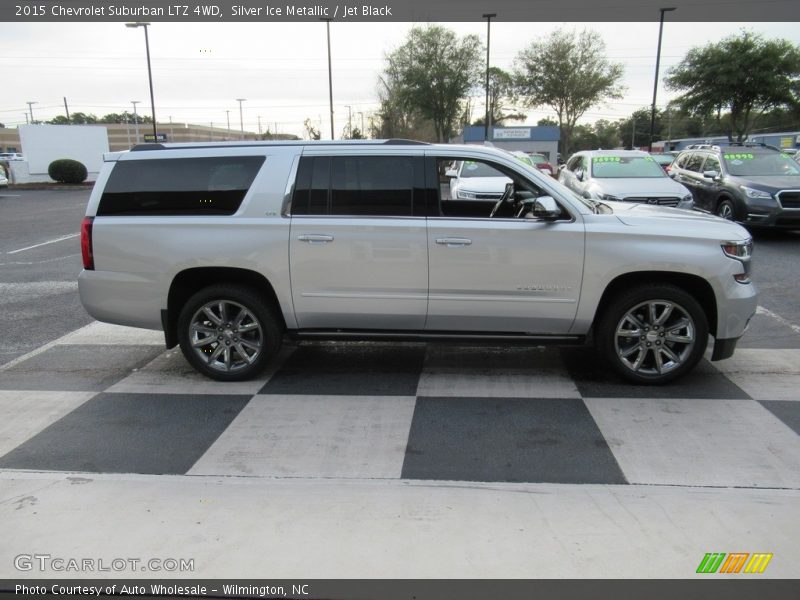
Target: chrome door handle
<point>315,238</point>
<point>454,242</point>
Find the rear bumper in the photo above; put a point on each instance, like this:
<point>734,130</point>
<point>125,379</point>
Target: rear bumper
<point>120,298</point>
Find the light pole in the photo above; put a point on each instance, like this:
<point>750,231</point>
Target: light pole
<point>136,118</point>
<point>361,114</point>
<point>241,119</point>
<point>488,17</point>
<point>330,74</point>
<point>349,120</point>
<point>30,109</point>
<point>149,72</point>
<point>655,83</point>
<point>228,117</point>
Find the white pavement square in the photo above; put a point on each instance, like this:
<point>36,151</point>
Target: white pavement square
<point>513,373</point>
<point>765,374</point>
<point>23,414</point>
<point>314,436</point>
<point>698,442</point>
<point>105,334</point>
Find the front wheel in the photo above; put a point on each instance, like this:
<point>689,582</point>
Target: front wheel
<point>726,210</point>
<point>653,334</point>
<point>228,332</point>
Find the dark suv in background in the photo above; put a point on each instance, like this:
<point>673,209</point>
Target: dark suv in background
<point>753,184</point>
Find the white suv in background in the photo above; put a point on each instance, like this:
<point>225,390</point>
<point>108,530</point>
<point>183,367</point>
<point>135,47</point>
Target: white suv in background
<point>230,248</point>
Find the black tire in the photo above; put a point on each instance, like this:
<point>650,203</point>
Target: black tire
<point>726,209</point>
<point>260,328</point>
<point>640,335</point>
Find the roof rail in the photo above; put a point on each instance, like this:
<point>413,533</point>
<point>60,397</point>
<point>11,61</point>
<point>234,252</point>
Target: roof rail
<point>403,142</point>
<point>140,147</point>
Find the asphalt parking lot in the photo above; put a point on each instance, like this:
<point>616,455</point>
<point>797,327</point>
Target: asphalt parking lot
<point>384,461</point>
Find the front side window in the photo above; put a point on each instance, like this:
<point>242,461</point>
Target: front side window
<point>179,186</point>
<point>712,164</point>
<point>625,167</point>
<point>476,196</point>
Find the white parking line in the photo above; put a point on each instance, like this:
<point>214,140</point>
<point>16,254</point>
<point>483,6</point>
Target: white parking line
<point>53,241</point>
<point>786,323</point>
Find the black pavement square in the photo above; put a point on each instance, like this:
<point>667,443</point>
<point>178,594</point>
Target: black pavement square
<point>78,368</point>
<point>130,433</point>
<point>350,369</point>
<point>786,410</point>
<point>508,439</point>
<point>595,379</point>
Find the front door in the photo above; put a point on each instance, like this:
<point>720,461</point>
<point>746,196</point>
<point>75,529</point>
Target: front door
<point>504,274</point>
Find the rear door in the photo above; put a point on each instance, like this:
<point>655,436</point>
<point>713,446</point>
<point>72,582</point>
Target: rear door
<point>358,247</point>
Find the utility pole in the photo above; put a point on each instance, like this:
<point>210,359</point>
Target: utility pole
<point>66,109</point>
<point>330,74</point>
<point>228,115</point>
<point>655,84</point>
<point>136,118</point>
<point>361,114</point>
<point>349,121</point>
<point>30,109</point>
<point>259,124</point>
<point>488,116</point>
<point>241,119</point>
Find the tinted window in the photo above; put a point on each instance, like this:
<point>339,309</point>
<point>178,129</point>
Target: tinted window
<point>312,185</point>
<point>179,186</point>
<point>372,185</point>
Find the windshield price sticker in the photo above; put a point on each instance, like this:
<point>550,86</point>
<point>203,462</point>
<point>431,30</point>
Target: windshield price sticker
<point>739,156</point>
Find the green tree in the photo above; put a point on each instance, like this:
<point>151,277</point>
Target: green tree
<point>635,130</point>
<point>569,73</point>
<point>502,98</point>
<point>431,75</point>
<point>744,75</point>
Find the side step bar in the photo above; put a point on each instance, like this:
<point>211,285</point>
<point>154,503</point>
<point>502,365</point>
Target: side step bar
<point>467,337</point>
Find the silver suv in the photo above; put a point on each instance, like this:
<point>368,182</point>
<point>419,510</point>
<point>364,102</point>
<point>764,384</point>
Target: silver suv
<point>231,248</point>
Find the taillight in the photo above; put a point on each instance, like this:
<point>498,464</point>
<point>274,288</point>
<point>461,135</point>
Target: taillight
<point>86,243</point>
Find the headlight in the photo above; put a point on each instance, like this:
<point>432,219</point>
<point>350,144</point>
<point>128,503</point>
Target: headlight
<point>465,195</point>
<point>751,193</point>
<point>610,197</point>
<point>687,199</point>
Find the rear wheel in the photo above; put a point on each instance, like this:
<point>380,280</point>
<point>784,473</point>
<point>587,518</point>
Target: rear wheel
<point>653,334</point>
<point>228,332</point>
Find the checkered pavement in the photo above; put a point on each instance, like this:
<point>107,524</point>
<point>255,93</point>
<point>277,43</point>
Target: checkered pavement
<point>109,399</point>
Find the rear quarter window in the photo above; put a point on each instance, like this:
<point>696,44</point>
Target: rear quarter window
<point>179,186</point>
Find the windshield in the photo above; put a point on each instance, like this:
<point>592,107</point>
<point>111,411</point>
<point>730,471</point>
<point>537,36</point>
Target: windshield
<point>618,167</point>
<point>537,159</point>
<point>663,159</point>
<point>754,164</point>
<point>476,169</point>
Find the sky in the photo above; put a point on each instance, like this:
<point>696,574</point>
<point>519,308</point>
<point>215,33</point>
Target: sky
<point>200,69</point>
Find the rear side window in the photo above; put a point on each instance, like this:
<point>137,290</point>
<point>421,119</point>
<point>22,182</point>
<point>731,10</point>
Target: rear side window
<point>179,186</point>
<point>360,186</point>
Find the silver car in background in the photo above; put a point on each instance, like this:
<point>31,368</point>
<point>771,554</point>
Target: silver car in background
<point>623,176</point>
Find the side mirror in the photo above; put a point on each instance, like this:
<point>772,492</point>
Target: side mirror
<point>710,174</point>
<point>671,173</point>
<point>451,173</point>
<point>546,208</point>
<point>579,174</point>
